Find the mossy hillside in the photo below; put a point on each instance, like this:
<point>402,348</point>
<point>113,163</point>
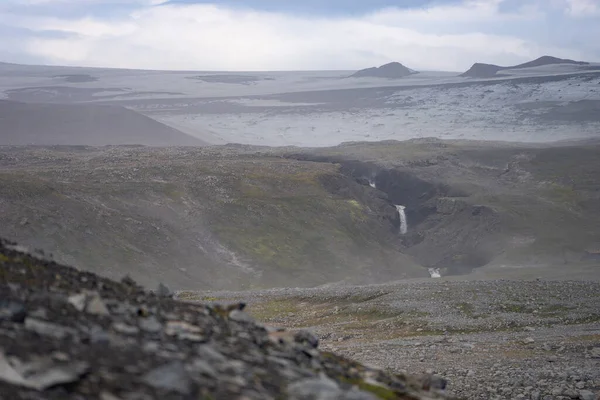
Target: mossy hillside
<point>198,219</point>
<point>544,197</point>
<point>294,228</point>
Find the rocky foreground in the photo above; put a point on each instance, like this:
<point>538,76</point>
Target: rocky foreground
<point>66,334</point>
<point>489,339</point>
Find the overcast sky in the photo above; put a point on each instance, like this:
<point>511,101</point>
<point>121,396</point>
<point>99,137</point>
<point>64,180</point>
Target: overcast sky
<point>246,35</point>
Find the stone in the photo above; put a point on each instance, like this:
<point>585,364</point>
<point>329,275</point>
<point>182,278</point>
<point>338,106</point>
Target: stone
<point>202,367</point>
<point>78,301</point>
<point>121,327</point>
<point>528,340</point>
<point>40,374</point>
<point>108,396</point>
<point>535,395</point>
<point>358,395</point>
<point>241,316</point>
<point>12,311</point>
<point>306,338</point>
<point>595,352</point>
<point>171,377</point>
<point>150,325</point>
<point>96,306</point>
<point>321,388</point>
<point>99,335</point>
<point>184,331</point>
<point>90,302</point>
<point>587,395</point>
<point>164,291</point>
<point>128,281</point>
<point>209,353</point>
<point>49,329</point>
<point>570,393</point>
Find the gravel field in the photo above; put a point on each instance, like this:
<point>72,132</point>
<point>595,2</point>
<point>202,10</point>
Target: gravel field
<point>497,339</point>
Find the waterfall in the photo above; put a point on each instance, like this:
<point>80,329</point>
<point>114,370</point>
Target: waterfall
<point>403,224</point>
<point>372,184</point>
<point>435,272</point>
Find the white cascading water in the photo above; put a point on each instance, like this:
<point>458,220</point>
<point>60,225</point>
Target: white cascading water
<point>435,273</point>
<point>403,224</point>
<point>372,184</point>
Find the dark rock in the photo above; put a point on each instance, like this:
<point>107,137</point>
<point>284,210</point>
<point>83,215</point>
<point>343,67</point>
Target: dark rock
<point>90,302</point>
<point>321,388</point>
<point>306,338</point>
<point>150,325</point>
<point>164,291</point>
<point>44,328</point>
<point>170,377</point>
<point>587,395</point>
<point>209,353</point>
<point>12,311</point>
<point>203,367</point>
<point>241,316</point>
<point>40,374</point>
<point>126,329</point>
<point>128,281</point>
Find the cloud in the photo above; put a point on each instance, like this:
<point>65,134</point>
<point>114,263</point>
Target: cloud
<point>216,37</point>
<point>581,8</point>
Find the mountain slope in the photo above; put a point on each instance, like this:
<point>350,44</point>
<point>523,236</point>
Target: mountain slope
<point>391,70</point>
<point>244,217</point>
<point>471,204</point>
<point>83,124</point>
<point>199,218</point>
<point>479,70</point>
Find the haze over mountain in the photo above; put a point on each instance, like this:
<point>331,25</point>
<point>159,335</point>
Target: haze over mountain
<point>479,70</point>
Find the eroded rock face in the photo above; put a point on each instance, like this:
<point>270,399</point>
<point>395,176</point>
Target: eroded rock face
<point>66,334</point>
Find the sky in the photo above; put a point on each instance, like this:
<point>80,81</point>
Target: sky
<point>269,35</point>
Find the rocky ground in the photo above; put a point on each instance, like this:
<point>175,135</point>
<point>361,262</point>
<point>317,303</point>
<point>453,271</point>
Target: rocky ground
<point>497,339</point>
<point>66,334</point>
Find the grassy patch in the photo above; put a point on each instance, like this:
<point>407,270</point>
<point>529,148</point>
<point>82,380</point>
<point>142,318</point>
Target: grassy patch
<point>466,308</point>
<point>515,308</point>
<point>274,309</point>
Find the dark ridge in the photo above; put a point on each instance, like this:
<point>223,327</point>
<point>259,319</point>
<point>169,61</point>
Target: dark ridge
<point>392,70</point>
<point>83,124</point>
<point>547,60</point>
<point>480,70</point>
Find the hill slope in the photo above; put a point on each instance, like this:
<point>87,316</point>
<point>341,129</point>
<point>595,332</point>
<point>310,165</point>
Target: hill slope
<point>479,70</point>
<point>83,124</point>
<point>243,217</point>
<point>391,70</point>
<point>196,218</point>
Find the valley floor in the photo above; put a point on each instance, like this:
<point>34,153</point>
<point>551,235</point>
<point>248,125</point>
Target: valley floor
<point>491,339</point>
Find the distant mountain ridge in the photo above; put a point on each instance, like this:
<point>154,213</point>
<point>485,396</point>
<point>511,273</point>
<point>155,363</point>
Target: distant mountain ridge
<point>481,70</point>
<point>391,70</point>
<point>84,124</point>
